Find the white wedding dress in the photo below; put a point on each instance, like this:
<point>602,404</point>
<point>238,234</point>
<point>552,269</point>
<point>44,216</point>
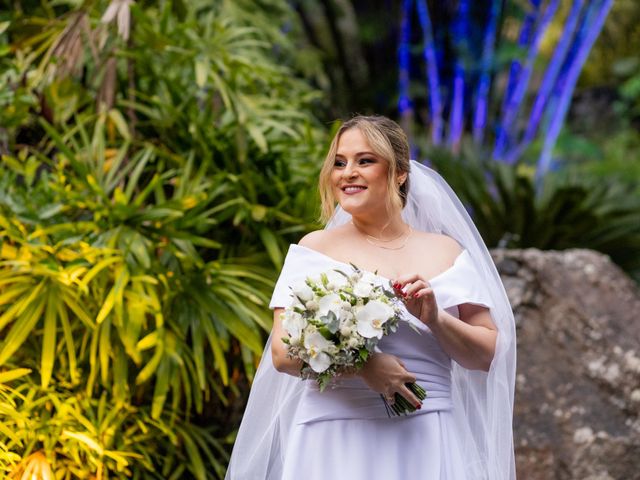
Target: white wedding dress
<point>344,432</point>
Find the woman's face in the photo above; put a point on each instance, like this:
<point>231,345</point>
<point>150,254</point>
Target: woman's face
<point>359,176</point>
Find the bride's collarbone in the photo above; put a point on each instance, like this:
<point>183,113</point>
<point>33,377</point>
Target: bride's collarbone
<point>391,264</point>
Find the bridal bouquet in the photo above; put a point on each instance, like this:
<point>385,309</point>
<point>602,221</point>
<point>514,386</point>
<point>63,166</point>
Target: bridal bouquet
<point>335,322</point>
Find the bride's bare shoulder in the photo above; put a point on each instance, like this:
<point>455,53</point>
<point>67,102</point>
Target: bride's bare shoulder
<point>321,240</point>
<point>447,247</point>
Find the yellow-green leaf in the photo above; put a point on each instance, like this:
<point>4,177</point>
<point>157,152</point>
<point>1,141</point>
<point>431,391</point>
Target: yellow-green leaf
<point>10,375</point>
<point>21,329</point>
<point>49,338</point>
<point>105,350</point>
<point>270,242</point>
<point>68,339</point>
<point>85,439</point>
<point>96,269</point>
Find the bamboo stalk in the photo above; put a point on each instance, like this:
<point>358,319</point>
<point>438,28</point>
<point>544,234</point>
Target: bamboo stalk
<point>461,33</point>
<point>404,65</point>
<point>484,81</point>
<point>429,54</point>
<point>549,79</point>
<point>593,23</point>
<point>514,72</point>
<point>514,102</point>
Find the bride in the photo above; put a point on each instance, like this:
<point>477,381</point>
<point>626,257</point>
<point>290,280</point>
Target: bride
<point>400,220</point>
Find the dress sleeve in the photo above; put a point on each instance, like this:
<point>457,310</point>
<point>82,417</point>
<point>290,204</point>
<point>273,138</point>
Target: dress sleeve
<point>461,284</point>
<point>299,264</point>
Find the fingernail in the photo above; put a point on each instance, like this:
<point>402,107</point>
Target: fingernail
<point>419,406</point>
<point>415,295</point>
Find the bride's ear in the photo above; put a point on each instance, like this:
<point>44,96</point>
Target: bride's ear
<point>402,178</point>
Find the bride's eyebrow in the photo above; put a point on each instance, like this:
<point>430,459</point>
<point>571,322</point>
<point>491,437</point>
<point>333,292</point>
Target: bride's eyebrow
<point>359,154</point>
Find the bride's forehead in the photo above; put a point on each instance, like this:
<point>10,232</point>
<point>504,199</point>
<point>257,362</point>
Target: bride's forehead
<point>352,138</point>
<point>353,142</point>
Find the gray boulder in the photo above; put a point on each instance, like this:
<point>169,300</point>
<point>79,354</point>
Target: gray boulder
<point>577,400</point>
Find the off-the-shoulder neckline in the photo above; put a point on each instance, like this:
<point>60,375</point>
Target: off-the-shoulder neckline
<point>431,280</point>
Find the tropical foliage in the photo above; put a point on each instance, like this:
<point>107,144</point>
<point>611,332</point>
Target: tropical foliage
<point>567,210</point>
<point>156,160</point>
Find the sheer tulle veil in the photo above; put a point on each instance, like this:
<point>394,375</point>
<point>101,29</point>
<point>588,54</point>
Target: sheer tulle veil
<point>483,401</point>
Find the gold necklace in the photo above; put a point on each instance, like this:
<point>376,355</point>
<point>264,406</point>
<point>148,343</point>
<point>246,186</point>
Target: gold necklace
<point>370,238</point>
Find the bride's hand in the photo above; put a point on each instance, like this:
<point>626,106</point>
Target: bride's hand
<point>418,297</point>
<point>386,374</point>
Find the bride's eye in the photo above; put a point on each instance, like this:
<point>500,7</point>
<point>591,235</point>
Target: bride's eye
<point>367,160</point>
<point>339,163</point>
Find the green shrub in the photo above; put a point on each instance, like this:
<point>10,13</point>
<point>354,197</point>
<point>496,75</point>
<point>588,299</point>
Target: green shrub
<point>149,186</point>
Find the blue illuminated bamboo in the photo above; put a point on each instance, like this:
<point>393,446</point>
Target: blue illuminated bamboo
<point>433,78</point>
<point>549,80</point>
<point>594,20</point>
<point>461,34</point>
<point>528,24</point>
<point>404,60</point>
<point>484,81</point>
<point>510,114</point>
<point>514,72</point>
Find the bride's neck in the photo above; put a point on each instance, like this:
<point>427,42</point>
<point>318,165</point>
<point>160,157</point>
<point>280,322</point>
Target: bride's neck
<point>381,228</point>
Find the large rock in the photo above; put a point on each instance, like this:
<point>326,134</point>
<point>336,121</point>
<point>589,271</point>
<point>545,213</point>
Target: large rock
<point>577,398</point>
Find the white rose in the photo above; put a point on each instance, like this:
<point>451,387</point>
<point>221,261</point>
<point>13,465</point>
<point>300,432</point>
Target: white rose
<point>353,342</point>
<point>371,318</point>
<point>302,291</point>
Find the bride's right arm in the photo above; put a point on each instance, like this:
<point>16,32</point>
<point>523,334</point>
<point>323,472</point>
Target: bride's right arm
<point>281,362</point>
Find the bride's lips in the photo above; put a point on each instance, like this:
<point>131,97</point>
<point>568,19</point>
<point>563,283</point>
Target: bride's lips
<point>353,189</point>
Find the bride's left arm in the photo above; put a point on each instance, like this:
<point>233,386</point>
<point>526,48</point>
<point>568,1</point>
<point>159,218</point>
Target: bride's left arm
<point>470,340</point>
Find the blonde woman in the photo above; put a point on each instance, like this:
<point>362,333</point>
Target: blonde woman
<point>397,218</point>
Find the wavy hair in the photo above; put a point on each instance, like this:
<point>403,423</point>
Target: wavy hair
<point>388,141</point>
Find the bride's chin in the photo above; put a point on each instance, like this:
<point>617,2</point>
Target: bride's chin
<point>356,211</point>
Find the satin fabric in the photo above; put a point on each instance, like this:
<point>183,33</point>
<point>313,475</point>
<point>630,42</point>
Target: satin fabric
<point>345,431</point>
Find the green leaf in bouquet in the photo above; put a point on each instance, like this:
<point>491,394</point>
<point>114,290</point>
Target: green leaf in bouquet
<point>323,380</point>
<point>325,332</point>
<point>331,321</point>
<point>341,273</point>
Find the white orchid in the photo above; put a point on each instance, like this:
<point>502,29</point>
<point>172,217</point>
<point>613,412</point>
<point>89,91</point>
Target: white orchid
<point>302,291</point>
<point>294,324</point>
<point>336,280</point>
<point>317,347</point>
<point>371,318</point>
<point>363,288</point>
<point>332,318</point>
<point>330,303</point>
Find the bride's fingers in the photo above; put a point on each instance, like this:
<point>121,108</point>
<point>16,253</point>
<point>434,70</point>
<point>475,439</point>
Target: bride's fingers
<point>401,363</point>
<point>408,394</point>
<point>404,279</point>
<point>412,289</point>
<point>425,293</point>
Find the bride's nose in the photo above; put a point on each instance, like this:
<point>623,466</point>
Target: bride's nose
<point>349,170</point>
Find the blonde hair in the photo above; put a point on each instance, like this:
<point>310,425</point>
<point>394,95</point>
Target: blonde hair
<point>389,142</point>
